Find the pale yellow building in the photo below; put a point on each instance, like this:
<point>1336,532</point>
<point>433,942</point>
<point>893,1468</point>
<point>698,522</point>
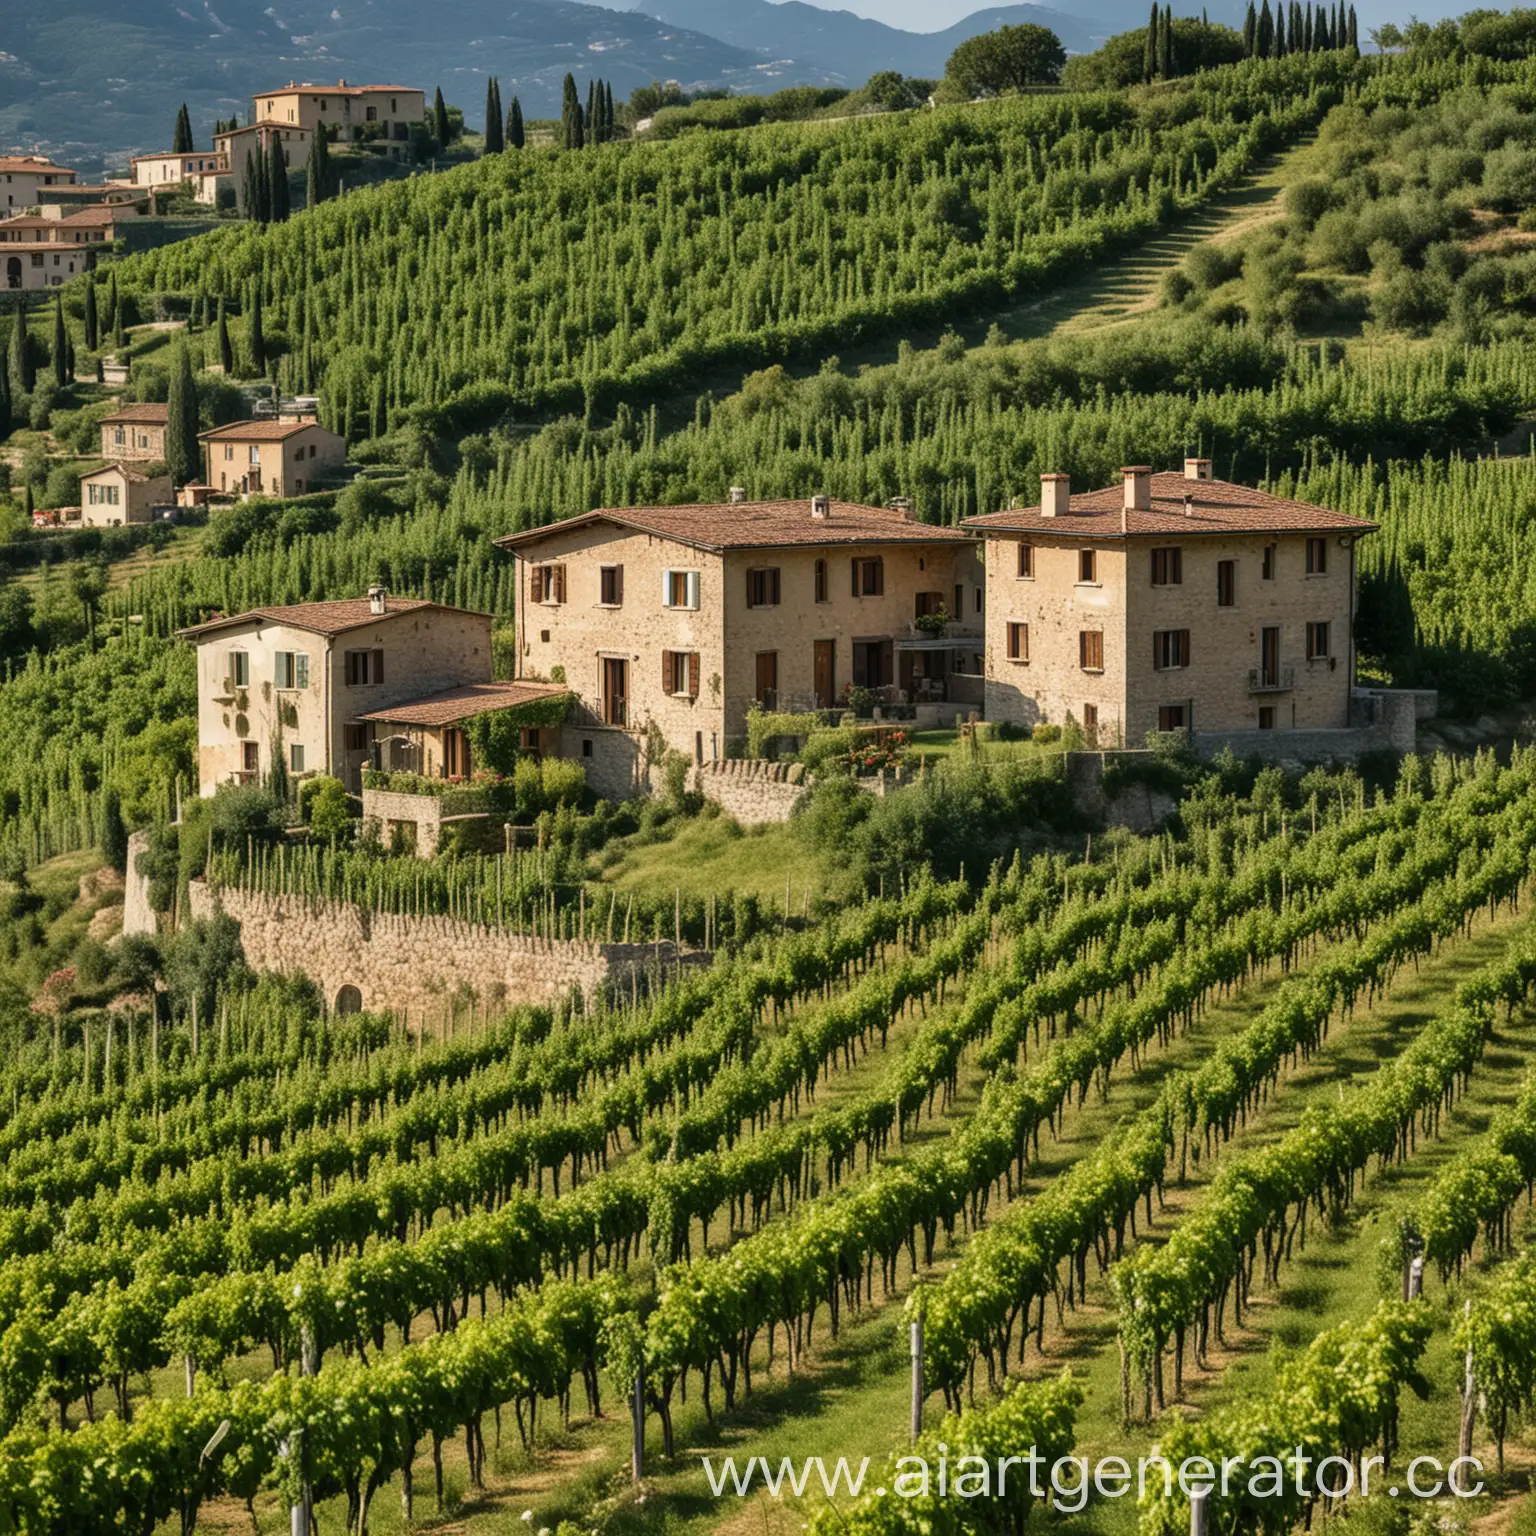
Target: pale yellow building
<point>22,177</point>
<point>304,680</point>
<point>377,114</point>
<point>165,170</point>
<point>118,494</point>
<point>272,458</point>
<point>136,432</point>
<point>674,621</point>
<point>1170,602</point>
<point>33,263</point>
<point>237,145</point>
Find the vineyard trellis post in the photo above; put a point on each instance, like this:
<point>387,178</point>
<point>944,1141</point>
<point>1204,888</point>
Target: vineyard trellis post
<point>637,1415</point>
<point>917,1377</point>
<point>1468,1396</point>
<point>1413,1279</point>
<point>1198,1501</point>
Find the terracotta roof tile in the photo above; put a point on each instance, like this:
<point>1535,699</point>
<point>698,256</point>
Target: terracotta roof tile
<point>128,471</point>
<point>758,525</point>
<point>27,164</point>
<point>144,413</point>
<point>323,618</point>
<point>257,431</point>
<point>465,703</point>
<point>1216,507</point>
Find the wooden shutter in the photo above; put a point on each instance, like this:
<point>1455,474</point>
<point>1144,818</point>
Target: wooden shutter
<point>691,589</point>
<point>559,583</point>
<point>378,667</point>
<point>775,585</point>
<point>855,577</point>
<point>693,674</point>
<point>666,589</point>
<point>666,671</point>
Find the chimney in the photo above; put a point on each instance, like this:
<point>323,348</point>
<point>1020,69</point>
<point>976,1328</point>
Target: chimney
<point>902,504</point>
<point>821,508</point>
<point>376,601</point>
<point>1055,495</point>
<point>1197,469</point>
<point>738,494</point>
<point>1138,488</point>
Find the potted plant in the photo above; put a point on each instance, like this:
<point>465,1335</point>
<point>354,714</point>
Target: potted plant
<point>934,623</point>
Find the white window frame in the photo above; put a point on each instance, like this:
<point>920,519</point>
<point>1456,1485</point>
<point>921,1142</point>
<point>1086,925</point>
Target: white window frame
<point>690,589</point>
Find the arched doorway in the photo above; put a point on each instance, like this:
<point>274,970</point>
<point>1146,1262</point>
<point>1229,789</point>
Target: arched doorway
<point>349,1000</point>
<point>13,272</point>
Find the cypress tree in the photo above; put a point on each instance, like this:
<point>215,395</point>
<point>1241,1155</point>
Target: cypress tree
<point>115,312</point>
<point>1352,34</point>
<point>114,832</point>
<point>60,345</point>
<point>19,361</point>
<point>440,120</point>
<point>1266,32</point>
<point>5,403</point>
<point>570,115</point>
<point>608,114</point>
<point>258,342</point>
<point>226,352</point>
<point>182,140</point>
<point>1165,45</point>
<point>317,176</point>
<point>517,134</point>
<point>1250,31</point>
<point>181,420</point>
<point>593,126</point>
<point>92,319</point>
<point>1150,52</point>
<point>495,136</point>
<point>277,181</point>
<point>1280,49</point>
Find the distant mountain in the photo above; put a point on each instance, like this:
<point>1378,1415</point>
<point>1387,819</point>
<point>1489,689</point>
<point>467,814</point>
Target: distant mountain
<point>81,80</point>
<point>852,47</point>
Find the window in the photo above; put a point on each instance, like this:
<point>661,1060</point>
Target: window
<point>1167,567</point>
<point>1091,719</point>
<point>680,589</point>
<point>239,669</point>
<point>1026,562</point>
<point>312,449</point>
<point>929,603</point>
<point>1268,571</point>
<point>1087,565</point>
<point>357,738</point>
<point>364,668</point>
<point>250,757</point>
<point>1226,583</point>
<point>763,587</point>
<point>1317,557</point>
<point>229,453</point>
<point>1018,642</point>
<point>255,455</point>
<point>292,669</point>
<point>586,746</point>
<point>1318,648</point>
<point>119,436</point>
<point>1090,649</point>
<point>1170,649</point>
<point>869,578</point>
<point>295,758</point>
<point>680,674</point>
<point>610,585</point>
<point>1266,717</point>
<point>615,691</point>
<point>1173,717</point>
<point>549,583</point>
<point>821,581</point>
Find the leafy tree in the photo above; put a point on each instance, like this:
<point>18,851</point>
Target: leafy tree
<point>1008,59</point>
<point>181,455</point>
<point>182,142</point>
<point>517,134</point>
<point>204,955</point>
<point>61,370</point>
<point>327,807</point>
<point>226,351</point>
<point>440,125</point>
<point>92,319</point>
<point>495,134</point>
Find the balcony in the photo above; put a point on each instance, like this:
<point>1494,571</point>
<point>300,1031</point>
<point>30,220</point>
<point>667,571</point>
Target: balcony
<point>1271,679</point>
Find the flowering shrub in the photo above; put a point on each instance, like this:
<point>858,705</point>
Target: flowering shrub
<point>878,753</point>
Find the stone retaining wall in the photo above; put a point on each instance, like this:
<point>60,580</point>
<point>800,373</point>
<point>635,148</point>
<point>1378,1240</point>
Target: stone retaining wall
<point>391,809</point>
<point>417,964</point>
<point>754,792</point>
<point>138,915</point>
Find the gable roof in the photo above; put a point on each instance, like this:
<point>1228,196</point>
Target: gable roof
<point>1214,507</point>
<point>27,164</point>
<point>144,413</point>
<point>258,431</point>
<point>756,525</point>
<point>127,471</point>
<point>324,618</point>
<point>465,703</point>
<point>339,89</point>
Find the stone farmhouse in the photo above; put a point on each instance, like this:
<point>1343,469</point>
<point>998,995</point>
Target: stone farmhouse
<point>22,177</point>
<point>1170,602</point>
<point>361,113</point>
<point>119,494</point>
<point>136,432</point>
<point>677,620</point>
<point>282,457</point>
<point>320,684</point>
<point>45,250</point>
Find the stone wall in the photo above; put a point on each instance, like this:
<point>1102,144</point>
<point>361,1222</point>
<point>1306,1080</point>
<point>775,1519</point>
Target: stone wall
<point>1381,720</point>
<point>753,792</point>
<point>391,809</point>
<point>417,964</point>
<point>138,915</point>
